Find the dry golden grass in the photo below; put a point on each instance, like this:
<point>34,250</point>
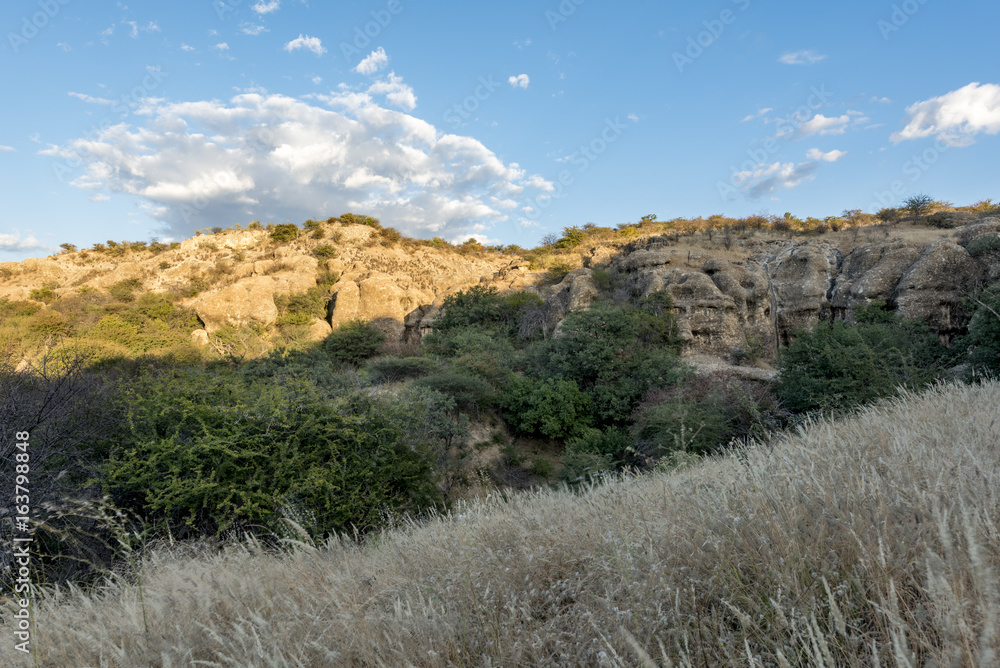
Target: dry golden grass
<point>869,541</point>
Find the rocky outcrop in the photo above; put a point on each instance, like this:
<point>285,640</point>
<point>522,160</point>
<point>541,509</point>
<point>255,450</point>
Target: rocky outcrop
<point>933,286</point>
<point>249,301</point>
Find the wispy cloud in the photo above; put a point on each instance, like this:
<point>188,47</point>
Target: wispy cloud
<point>829,156</point>
<point>807,57</point>
<point>6,149</point>
<point>313,44</point>
<point>89,99</point>
<point>252,29</point>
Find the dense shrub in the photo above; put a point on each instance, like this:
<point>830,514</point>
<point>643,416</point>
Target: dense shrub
<point>284,232</point>
<point>984,245</point>
<point>45,294</point>
<point>392,369</point>
<point>485,308</point>
<point>703,413</point>
<point>614,354</point>
<point>124,291</point>
<point>840,365</point>
<point>983,340</point>
<point>204,453</point>
<point>325,252</point>
<point>466,390</point>
<point>353,342</point>
<point>551,407</point>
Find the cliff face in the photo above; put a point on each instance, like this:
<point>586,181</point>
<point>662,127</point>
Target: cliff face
<point>760,300</point>
<point>784,286</point>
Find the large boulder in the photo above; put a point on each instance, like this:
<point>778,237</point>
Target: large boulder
<point>802,279</point>
<point>933,286</point>
<point>249,301</point>
<point>871,273</point>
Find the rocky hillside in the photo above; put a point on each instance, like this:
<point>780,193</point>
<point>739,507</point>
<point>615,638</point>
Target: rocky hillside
<point>753,296</point>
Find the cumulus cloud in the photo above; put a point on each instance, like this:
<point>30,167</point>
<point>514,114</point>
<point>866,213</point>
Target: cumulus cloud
<point>397,93</point>
<point>769,178</point>
<point>266,7</point>
<point>823,125</point>
<point>519,81</point>
<point>276,157</point>
<point>221,46</point>
<point>807,57</point>
<point>187,47</point>
<point>313,44</point>
<point>375,61</point>
<point>14,242</point>
<point>829,156</point>
<point>955,117</point>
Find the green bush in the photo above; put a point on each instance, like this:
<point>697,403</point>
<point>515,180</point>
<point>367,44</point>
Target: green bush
<point>124,291</point>
<point>466,390</point>
<point>45,295</point>
<point>551,407</point>
<point>486,309</point>
<point>325,252</point>
<point>983,339</point>
<point>392,369</point>
<point>353,343</point>
<point>207,452</point>
<point>284,232</point>
<point>984,245</point>
<point>615,354</point>
<point>841,365</point>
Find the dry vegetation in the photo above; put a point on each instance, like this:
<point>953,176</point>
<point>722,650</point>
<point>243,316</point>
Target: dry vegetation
<point>869,541</point>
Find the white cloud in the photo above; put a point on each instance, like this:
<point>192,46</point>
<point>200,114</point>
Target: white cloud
<point>14,242</point>
<point>955,117</point>
<point>266,7</point>
<point>375,61</point>
<point>767,179</point>
<point>91,100</point>
<point>6,149</point>
<point>760,113</point>
<point>519,81</point>
<point>64,46</point>
<point>830,156</point>
<point>252,29</point>
<point>99,197</point>
<point>313,44</point>
<point>396,92</point>
<point>521,45</point>
<point>881,100</point>
<point>317,79</point>
<point>807,57</point>
<point>221,46</point>
<point>633,118</point>
<point>187,47</point>
<point>256,156</point>
<point>823,125</point>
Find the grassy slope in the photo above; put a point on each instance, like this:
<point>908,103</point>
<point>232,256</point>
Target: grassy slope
<point>877,533</point>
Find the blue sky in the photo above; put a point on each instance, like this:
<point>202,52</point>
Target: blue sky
<point>503,121</point>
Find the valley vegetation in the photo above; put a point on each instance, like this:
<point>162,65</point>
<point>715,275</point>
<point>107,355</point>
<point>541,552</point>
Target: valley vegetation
<point>503,489</point>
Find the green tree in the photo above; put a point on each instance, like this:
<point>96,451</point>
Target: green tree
<point>840,365</point>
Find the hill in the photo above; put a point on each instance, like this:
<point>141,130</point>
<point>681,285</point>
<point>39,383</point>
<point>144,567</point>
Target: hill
<point>865,541</point>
